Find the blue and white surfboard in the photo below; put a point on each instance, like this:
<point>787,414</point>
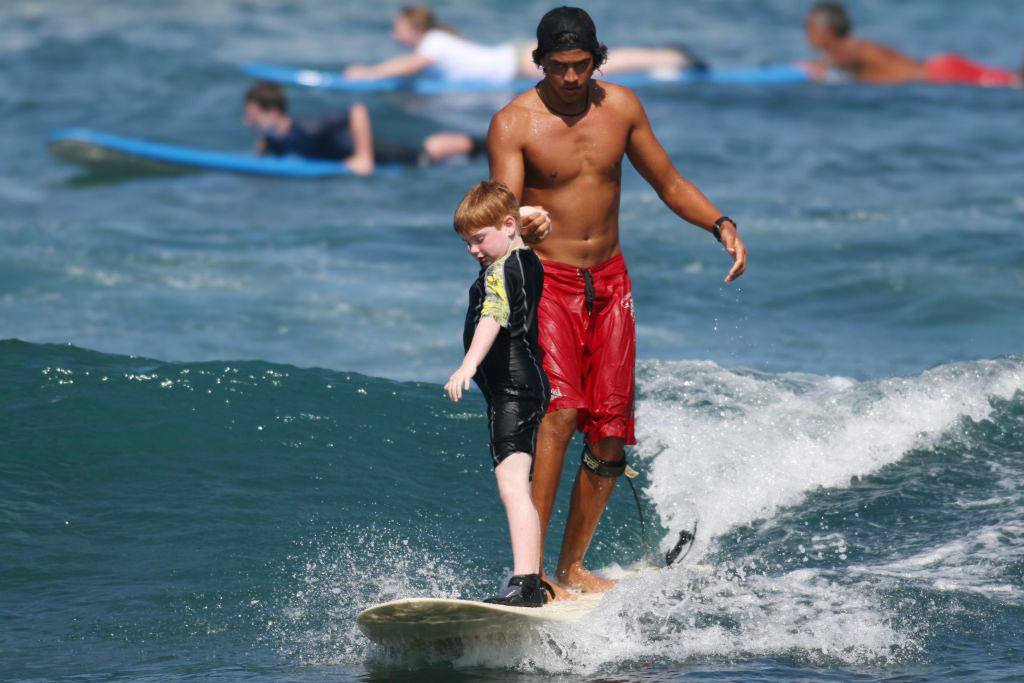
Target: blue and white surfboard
<point>427,85</point>
<point>92,148</point>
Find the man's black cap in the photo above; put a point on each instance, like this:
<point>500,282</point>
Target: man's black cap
<point>566,28</point>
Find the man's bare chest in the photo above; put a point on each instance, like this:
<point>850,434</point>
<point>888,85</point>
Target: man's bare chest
<point>557,154</point>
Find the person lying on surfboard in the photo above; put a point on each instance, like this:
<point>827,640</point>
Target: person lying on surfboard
<point>502,356</point>
<point>343,136</point>
<point>438,48</point>
<point>829,30</point>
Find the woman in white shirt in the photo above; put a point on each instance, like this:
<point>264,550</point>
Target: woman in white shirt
<point>439,50</point>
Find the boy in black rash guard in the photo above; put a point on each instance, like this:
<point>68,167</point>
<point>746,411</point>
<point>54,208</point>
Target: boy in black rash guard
<point>341,136</point>
<point>502,355</point>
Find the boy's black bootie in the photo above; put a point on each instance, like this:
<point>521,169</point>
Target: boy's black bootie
<point>524,590</point>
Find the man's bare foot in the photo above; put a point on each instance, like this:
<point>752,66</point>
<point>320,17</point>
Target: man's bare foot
<point>576,577</point>
<point>560,593</point>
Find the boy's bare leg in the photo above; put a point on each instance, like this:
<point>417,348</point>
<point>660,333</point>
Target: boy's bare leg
<point>590,495</point>
<point>555,433</point>
<point>513,475</point>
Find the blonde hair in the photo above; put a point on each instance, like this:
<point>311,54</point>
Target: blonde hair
<point>486,204</point>
<point>422,19</point>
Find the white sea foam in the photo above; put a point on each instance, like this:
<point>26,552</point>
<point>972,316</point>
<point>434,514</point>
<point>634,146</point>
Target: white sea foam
<point>732,447</point>
<point>972,564</point>
<point>678,614</point>
<point>316,625</point>
<point>669,615</point>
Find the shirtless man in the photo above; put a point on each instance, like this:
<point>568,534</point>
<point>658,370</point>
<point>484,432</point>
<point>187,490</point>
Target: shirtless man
<point>828,29</point>
<point>560,145</point>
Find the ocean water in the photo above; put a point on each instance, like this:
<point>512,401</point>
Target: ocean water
<point>222,432</point>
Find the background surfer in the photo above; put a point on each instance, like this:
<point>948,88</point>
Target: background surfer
<point>345,136</point>
<point>439,48</point>
<point>560,145</point>
<point>829,30</point>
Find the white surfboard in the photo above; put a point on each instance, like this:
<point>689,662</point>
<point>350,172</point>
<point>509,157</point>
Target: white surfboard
<point>434,619</point>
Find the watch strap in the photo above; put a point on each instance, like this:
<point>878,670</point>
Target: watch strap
<point>716,228</point>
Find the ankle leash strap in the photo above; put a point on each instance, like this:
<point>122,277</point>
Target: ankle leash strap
<point>603,468</point>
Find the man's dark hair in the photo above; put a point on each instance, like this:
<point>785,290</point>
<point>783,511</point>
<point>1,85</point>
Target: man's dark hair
<point>834,17</point>
<point>267,96</point>
<point>568,28</point>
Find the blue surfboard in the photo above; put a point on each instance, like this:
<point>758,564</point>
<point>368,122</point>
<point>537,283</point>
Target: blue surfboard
<point>427,85</point>
<point>95,149</point>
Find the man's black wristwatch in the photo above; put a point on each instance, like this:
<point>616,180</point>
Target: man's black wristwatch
<point>716,228</point>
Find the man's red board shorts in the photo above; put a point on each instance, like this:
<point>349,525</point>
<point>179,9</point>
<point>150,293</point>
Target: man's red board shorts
<point>587,330</point>
<point>949,68</point>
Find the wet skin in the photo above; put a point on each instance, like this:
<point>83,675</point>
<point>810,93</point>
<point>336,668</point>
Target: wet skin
<point>561,146</point>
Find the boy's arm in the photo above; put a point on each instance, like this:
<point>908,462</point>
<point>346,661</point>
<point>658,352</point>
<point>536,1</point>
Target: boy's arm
<point>359,126</point>
<point>405,65</point>
<point>494,315</point>
<point>483,339</point>
<point>684,198</point>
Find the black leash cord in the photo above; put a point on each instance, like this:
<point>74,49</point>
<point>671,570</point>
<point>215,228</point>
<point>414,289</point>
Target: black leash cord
<point>685,540</point>
<point>643,526</point>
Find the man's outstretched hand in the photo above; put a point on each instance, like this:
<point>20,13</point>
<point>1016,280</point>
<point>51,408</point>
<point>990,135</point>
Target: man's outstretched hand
<point>734,245</point>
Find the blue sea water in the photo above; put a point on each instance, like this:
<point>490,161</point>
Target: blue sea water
<point>221,426</point>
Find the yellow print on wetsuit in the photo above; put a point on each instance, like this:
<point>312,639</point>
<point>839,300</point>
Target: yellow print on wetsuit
<point>496,295</point>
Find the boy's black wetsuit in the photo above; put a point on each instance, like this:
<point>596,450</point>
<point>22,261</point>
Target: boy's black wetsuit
<point>327,137</point>
<point>511,376</point>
